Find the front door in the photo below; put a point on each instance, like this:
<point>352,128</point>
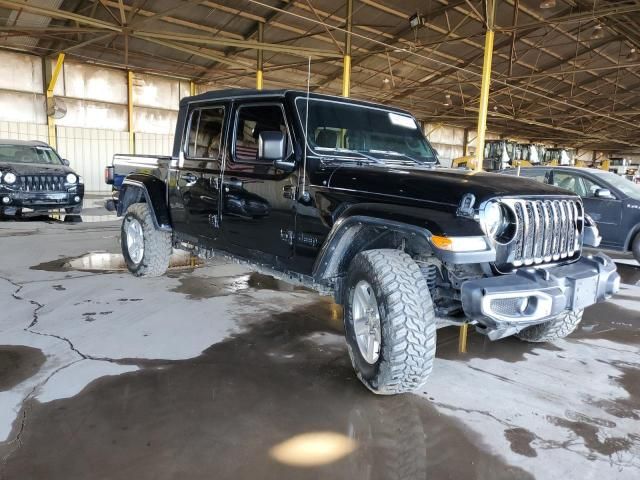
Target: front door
<point>606,212</point>
<point>197,177</point>
<point>257,199</point>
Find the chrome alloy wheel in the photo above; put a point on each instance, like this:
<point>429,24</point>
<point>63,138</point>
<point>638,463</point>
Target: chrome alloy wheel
<point>135,240</point>
<point>366,321</point>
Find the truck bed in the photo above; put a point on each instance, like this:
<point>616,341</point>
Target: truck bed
<point>124,165</point>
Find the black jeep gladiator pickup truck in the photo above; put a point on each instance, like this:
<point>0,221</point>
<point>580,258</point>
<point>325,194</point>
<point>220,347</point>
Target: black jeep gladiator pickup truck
<point>347,197</point>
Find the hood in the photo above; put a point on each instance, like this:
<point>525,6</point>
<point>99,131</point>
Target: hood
<point>441,185</point>
<point>35,168</point>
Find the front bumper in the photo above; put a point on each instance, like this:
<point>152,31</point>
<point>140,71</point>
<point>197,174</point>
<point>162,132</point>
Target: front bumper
<point>506,304</point>
<point>41,200</point>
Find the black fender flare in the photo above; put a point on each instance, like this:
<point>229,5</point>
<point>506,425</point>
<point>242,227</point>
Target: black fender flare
<point>136,187</point>
<point>341,244</point>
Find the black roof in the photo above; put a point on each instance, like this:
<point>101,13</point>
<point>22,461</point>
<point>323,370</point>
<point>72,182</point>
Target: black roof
<point>28,143</point>
<point>242,93</point>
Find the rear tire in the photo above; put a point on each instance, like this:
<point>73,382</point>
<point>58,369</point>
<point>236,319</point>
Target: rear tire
<point>153,259</point>
<point>558,327</point>
<point>635,247</point>
<point>407,327</point>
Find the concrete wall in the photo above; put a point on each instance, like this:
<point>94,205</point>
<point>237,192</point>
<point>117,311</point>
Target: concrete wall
<point>449,141</point>
<point>94,96</point>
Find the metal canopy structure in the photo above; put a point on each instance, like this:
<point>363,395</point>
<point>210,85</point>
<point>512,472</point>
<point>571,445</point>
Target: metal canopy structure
<point>565,71</point>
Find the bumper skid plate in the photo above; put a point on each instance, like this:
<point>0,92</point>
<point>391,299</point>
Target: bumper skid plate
<point>508,303</point>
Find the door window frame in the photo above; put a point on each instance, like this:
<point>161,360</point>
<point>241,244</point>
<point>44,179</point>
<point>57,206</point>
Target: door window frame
<point>185,143</point>
<point>234,133</point>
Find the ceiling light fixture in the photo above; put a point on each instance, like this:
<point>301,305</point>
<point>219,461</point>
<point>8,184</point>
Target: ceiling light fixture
<point>548,4</point>
<point>416,20</point>
<point>598,32</point>
<point>447,100</point>
<point>386,84</point>
<point>633,55</point>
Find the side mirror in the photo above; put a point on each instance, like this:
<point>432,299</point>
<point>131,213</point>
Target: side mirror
<point>272,148</point>
<point>604,193</point>
<point>65,162</point>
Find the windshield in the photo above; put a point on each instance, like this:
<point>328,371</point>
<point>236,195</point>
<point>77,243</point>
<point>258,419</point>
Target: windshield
<point>375,134</point>
<point>625,186</point>
<point>29,154</point>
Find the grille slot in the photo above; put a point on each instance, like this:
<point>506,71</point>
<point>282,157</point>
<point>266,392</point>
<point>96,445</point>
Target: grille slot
<point>547,230</point>
<point>42,183</point>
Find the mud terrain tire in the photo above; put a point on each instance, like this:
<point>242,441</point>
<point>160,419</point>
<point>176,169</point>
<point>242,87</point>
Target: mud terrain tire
<point>407,322</point>
<point>157,243</point>
<point>558,327</point>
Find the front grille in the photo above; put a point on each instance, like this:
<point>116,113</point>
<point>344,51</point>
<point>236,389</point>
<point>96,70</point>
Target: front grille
<point>546,230</point>
<point>42,183</point>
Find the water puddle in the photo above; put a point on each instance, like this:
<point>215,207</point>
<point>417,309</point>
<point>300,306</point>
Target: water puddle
<point>17,363</point>
<point>629,274</point>
<point>611,322</point>
<point>201,288</point>
<point>101,262</point>
<point>265,387</point>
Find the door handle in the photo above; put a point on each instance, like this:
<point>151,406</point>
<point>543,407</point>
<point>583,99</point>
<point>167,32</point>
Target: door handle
<point>289,191</point>
<point>190,178</point>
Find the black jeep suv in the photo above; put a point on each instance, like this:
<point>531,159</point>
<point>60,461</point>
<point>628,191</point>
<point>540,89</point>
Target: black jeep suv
<point>32,175</point>
<point>347,197</point>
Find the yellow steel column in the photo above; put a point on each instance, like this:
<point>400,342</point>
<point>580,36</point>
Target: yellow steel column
<point>486,83</point>
<point>462,338</point>
<point>132,143</point>
<point>51,122</point>
<point>346,63</point>
<point>260,57</point>
<point>192,88</point>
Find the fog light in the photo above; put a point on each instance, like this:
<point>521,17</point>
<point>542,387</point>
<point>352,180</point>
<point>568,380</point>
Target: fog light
<point>76,199</point>
<point>523,304</point>
<point>6,200</point>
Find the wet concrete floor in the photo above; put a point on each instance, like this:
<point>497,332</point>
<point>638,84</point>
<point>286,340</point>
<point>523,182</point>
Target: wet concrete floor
<point>219,372</point>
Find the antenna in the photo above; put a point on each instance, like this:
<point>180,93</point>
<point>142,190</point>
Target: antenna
<point>306,128</point>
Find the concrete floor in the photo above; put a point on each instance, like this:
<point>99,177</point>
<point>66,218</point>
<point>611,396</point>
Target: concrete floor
<point>216,372</point>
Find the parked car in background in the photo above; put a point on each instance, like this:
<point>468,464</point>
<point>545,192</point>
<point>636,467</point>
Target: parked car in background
<point>33,176</point>
<point>611,200</point>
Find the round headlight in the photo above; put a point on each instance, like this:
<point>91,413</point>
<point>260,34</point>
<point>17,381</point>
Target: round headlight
<point>9,178</point>
<point>493,219</point>
<point>71,178</point>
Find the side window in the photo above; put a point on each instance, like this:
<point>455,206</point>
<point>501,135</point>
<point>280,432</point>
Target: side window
<point>251,121</point>
<point>205,133</point>
<point>569,182</point>
<point>590,187</point>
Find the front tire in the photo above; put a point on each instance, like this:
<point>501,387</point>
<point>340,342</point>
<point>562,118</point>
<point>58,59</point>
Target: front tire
<point>635,247</point>
<point>146,250</point>
<point>74,210</point>
<point>389,322</point>
<point>558,327</point>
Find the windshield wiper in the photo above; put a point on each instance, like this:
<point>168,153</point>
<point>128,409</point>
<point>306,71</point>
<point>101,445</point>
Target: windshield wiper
<point>400,154</point>
<point>346,150</point>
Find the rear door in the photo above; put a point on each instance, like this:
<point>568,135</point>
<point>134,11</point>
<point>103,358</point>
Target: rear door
<point>200,165</point>
<point>257,208</point>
